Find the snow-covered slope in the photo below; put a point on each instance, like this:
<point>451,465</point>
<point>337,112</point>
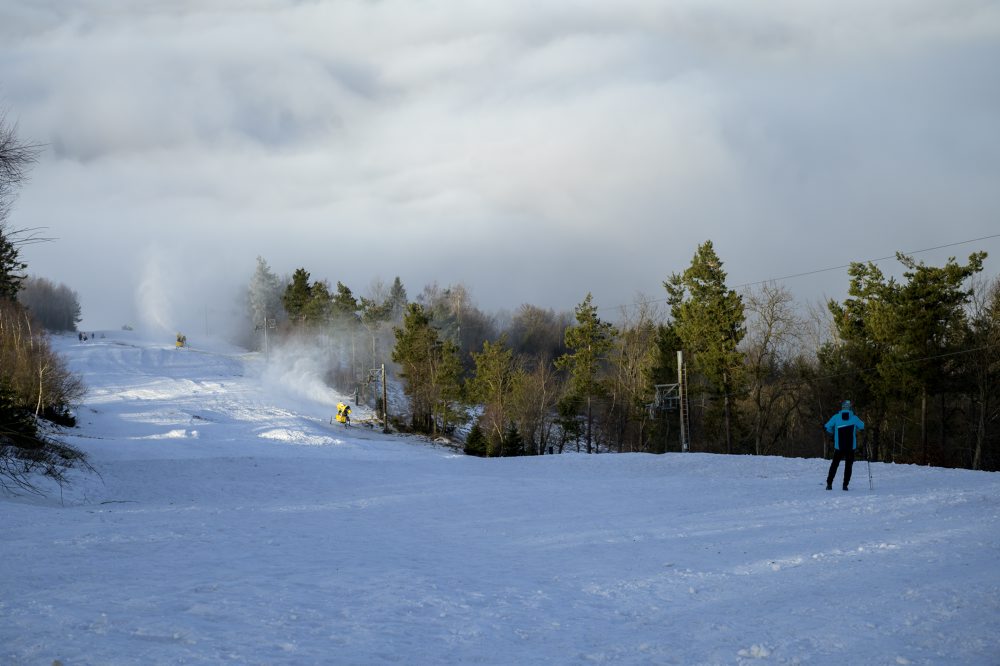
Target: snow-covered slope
<point>231,523</point>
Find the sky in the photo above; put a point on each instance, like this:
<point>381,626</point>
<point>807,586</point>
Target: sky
<point>531,151</point>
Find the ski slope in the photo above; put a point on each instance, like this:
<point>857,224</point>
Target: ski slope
<point>232,524</point>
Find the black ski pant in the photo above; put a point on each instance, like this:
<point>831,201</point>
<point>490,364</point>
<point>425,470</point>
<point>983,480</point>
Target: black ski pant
<point>848,458</point>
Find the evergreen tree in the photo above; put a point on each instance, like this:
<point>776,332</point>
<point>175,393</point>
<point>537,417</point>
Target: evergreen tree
<point>475,441</point>
<point>568,419</point>
<point>589,343</point>
<point>709,320</point>
<point>430,369</point>
<point>297,295</point>
<point>896,340</point>
<point>859,349</point>
<point>264,294</point>
<point>512,443</point>
<point>345,306</point>
<point>318,310</point>
<point>415,342</point>
<point>11,267</point>
<point>925,324</point>
<point>397,300</point>
<point>448,389</point>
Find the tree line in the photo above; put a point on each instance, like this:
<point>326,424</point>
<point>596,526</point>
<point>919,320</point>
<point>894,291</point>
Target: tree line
<point>919,357</point>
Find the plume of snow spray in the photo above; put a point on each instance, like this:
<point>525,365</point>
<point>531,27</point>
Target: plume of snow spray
<point>298,368</point>
<point>176,294</point>
<point>153,301</point>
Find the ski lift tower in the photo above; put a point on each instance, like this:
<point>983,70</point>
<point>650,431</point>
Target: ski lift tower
<point>673,397</point>
<point>682,401</point>
<point>268,324</point>
<point>378,375</point>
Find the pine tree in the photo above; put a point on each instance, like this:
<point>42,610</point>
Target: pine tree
<point>431,371</point>
<point>925,323</point>
<point>475,441</point>
<point>589,343</point>
<point>709,319</point>
<point>345,306</point>
<point>448,389</point>
<point>318,310</point>
<point>512,443</point>
<point>869,300</point>
<point>397,300</point>
<point>11,267</point>
<point>297,295</point>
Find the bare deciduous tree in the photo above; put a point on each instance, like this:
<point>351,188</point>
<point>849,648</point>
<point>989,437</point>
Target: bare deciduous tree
<point>773,341</point>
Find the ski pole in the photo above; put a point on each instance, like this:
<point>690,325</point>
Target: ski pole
<point>868,455</point>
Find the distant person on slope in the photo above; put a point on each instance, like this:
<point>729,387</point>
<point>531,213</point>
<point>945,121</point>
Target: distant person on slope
<point>844,426</point>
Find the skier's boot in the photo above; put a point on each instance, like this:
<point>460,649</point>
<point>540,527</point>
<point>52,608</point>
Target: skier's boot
<point>829,485</point>
<point>845,488</point>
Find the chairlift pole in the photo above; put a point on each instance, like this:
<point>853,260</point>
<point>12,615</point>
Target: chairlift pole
<point>385,404</point>
<point>268,323</point>
<point>682,399</point>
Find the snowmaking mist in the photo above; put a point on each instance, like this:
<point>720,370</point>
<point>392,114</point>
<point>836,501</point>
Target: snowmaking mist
<point>300,368</point>
<point>174,295</point>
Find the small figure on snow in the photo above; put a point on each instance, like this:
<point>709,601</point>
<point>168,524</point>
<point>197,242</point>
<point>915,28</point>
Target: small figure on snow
<point>844,426</point>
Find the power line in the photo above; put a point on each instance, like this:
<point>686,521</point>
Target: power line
<point>866,261</point>
<point>898,364</point>
<point>817,271</point>
<point>788,383</point>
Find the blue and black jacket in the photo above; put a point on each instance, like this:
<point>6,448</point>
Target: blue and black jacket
<point>844,426</point>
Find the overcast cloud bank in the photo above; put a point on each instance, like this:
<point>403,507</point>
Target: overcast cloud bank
<point>532,151</point>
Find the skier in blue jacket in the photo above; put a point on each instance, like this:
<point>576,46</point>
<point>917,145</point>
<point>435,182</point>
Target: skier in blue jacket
<point>844,426</point>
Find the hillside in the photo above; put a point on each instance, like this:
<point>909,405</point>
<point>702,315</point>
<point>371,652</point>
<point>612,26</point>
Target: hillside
<point>232,523</point>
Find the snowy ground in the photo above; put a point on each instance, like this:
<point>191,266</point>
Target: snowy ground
<point>231,523</point>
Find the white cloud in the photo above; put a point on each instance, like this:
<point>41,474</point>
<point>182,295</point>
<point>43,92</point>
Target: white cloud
<point>604,140</point>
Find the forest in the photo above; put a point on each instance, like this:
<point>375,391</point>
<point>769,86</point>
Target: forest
<point>919,357</point>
